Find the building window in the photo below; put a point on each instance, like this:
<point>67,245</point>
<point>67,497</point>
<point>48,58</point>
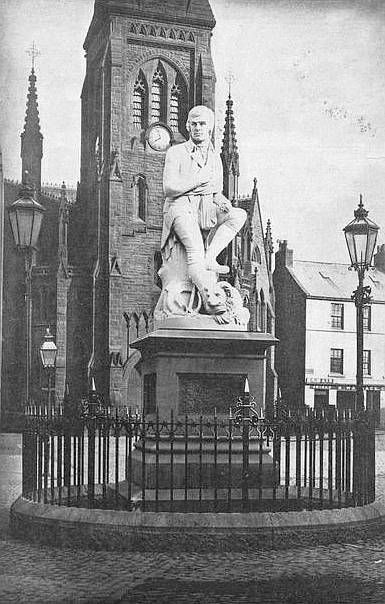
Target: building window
<point>157,96</point>
<point>367,317</point>
<point>157,265</point>
<point>269,322</point>
<point>248,247</point>
<point>160,95</point>
<point>175,108</point>
<point>367,362</point>
<point>257,255</point>
<point>140,197</point>
<point>139,103</point>
<point>336,360</point>
<point>337,316</point>
<point>263,311</point>
<point>125,330</point>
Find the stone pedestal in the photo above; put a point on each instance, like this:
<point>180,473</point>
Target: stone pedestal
<point>200,373</point>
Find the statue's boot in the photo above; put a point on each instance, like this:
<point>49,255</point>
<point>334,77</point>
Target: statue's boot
<point>222,237</point>
<point>201,276</point>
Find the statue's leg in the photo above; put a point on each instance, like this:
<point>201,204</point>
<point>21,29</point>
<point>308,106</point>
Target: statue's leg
<point>229,224</point>
<point>188,231</point>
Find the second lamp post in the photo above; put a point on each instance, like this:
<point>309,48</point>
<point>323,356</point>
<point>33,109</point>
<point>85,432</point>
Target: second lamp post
<point>48,351</point>
<point>361,236</point>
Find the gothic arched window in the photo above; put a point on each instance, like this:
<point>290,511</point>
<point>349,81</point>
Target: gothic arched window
<point>158,88</point>
<point>175,108</point>
<point>133,324</point>
<point>257,255</point>
<point>248,247</point>
<point>140,102</point>
<point>160,94</point>
<point>140,196</point>
<point>125,329</point>
<point>157,265</point>
<point>269,321</point>
<point>263,311</point>
<point>142,324</point>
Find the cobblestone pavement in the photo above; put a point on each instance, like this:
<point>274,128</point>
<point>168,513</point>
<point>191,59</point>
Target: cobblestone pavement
<point>36,574</point>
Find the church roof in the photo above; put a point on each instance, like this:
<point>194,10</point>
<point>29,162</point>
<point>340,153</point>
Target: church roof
<point>185,12</point>
<point>334,281</point>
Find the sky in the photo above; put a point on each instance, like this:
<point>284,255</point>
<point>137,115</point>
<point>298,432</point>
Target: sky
<point>308,92</point>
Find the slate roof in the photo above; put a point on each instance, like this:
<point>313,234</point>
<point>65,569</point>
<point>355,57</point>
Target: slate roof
<point>334,281</point>
<point>184,11</point>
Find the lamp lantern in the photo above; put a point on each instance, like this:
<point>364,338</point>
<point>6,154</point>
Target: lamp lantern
<point>26,215</point>
<point>361,237</point>
<point>48,351</point>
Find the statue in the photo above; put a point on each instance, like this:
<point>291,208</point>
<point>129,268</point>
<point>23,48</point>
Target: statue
<point>198,223</point>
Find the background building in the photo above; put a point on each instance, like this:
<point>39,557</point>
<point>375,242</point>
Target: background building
<point>94,278</point>
<point>316,326</point>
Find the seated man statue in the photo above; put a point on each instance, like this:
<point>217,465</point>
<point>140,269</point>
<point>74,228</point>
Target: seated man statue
<point>192,182</point>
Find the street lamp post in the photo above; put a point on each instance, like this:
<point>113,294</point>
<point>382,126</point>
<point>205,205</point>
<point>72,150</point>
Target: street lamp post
<point>48,351</point>
<point>25,215</point>
<point>361,236</point>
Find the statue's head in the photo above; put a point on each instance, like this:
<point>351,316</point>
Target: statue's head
<point>200,123</point>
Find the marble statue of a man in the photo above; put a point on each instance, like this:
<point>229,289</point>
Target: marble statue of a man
<point>192,182</point>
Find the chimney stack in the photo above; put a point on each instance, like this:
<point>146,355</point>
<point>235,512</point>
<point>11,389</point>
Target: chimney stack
<point>284,256</point>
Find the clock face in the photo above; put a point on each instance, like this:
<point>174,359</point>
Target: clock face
<point>159,137</point>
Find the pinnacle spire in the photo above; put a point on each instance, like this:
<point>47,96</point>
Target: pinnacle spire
<point>269,245</point>
<point>229,143</point>
<point>229,154</point>
<point>31,137</point>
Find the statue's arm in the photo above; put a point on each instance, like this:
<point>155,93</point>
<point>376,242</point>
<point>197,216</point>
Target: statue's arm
<point>176,181</point>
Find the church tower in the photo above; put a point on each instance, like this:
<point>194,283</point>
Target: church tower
<point>148,63</point>
<point>32,139</point>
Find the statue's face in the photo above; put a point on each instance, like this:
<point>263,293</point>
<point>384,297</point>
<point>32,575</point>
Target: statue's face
<point>199,128</point>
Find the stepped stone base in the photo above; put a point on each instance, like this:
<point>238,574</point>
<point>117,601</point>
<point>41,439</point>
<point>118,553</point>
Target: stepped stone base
<point>195,466</point>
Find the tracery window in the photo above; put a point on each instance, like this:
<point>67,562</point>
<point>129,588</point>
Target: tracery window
<point>175,108</point>
<point>139,104</point>
<point>157,96</point>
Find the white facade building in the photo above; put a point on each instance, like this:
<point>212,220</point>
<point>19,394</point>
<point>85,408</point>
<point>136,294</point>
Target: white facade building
<point>322,294</point>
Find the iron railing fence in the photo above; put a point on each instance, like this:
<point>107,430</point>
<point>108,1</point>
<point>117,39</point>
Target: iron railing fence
<point>117,459</point>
